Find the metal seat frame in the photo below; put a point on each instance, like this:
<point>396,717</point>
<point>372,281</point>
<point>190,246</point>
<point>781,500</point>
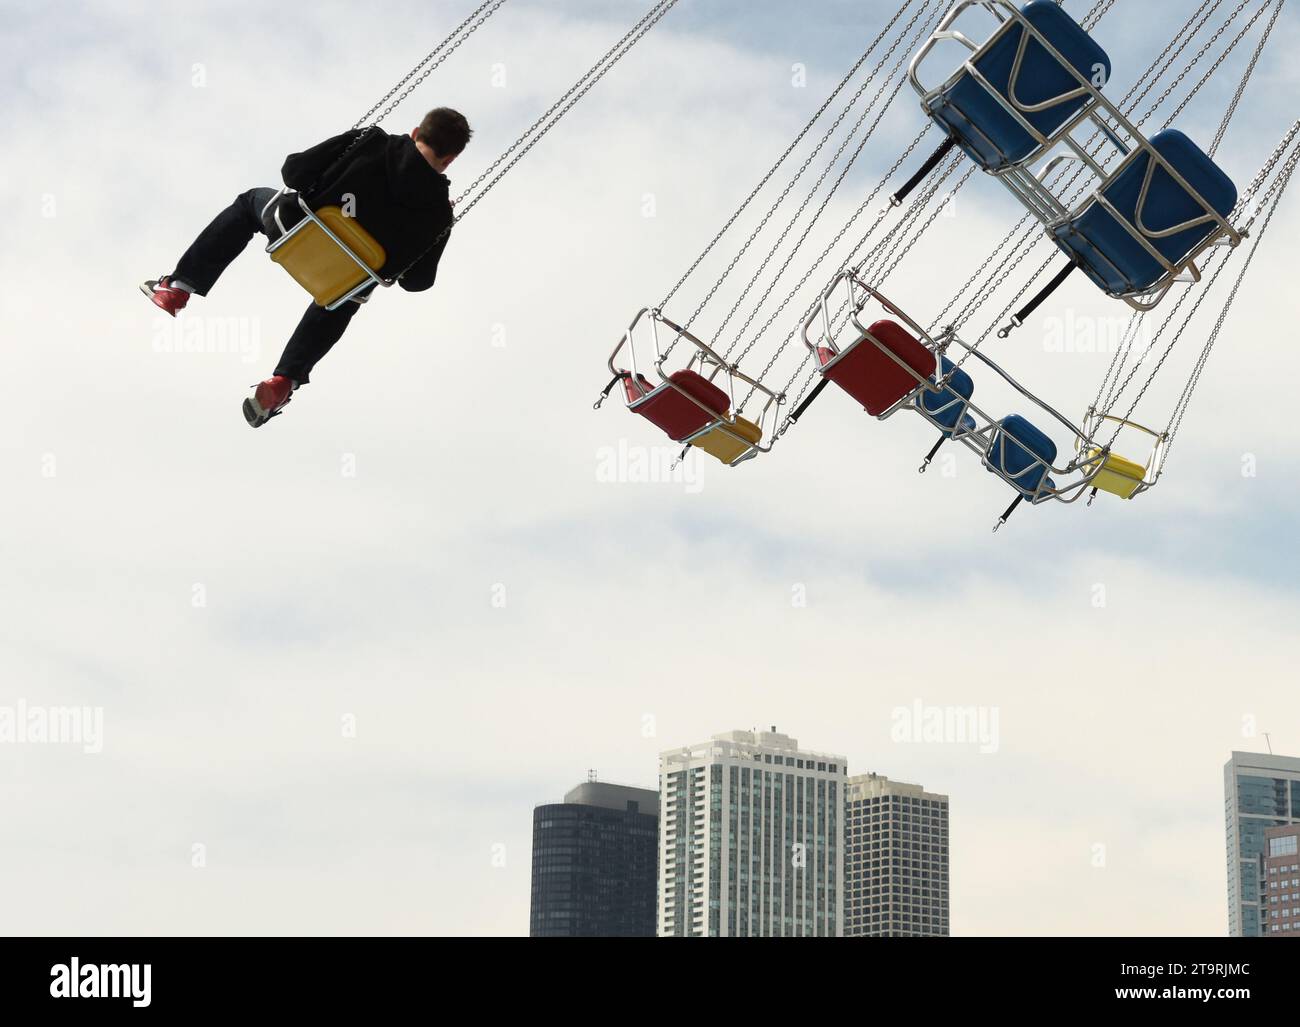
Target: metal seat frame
<point>1124,138</point>
<point>373,278</point>
<point>706,362</point>
<point>1072,479</point>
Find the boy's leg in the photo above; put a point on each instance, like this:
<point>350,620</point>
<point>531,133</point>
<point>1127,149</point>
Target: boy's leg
<point>222,241</point>
<point>316,333</point>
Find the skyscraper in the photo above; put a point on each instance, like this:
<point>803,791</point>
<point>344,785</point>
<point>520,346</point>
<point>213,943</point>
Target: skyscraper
<point>1279,883</point>
<point>1259,791</point>
<point>594,863</point>
<point>895,859</point>
<point>751,839</point>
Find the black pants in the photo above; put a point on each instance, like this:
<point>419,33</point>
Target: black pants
<point>224,240</point>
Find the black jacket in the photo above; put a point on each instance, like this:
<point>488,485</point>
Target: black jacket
<point>400,200</point>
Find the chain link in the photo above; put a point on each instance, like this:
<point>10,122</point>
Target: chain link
<point>1191,64</point>
<point>607,60</point>
<point>573,95</point>
<point>1241,86</point>
<point>1184,400</point>
<point>771,255</point>
<point>482,13</point>
<point>803,168</point>
<point>780,307</point>
<point>857,66</point>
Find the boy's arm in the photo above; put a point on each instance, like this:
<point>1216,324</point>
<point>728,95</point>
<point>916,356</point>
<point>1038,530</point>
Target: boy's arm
<point>424,272</point>
<point>301,170</point>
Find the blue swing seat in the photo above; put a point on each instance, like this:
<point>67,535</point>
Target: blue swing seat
<point>947,406</point>
<point>1103,247</point>
<point>1019,452</point>
<point>994,138</point>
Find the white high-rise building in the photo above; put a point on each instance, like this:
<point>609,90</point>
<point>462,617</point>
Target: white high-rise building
<point>751,839</point>
<point>1259,791</point>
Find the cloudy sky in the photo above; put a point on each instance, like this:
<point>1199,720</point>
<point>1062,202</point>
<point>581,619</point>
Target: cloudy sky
<point>341,658</point>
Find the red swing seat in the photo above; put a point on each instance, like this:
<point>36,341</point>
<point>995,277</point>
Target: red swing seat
<point>871,376</point>
<point>673,412</point>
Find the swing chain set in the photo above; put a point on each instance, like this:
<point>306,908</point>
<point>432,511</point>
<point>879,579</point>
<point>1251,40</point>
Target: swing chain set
<point>328,265</point>
<point>1053,195</point>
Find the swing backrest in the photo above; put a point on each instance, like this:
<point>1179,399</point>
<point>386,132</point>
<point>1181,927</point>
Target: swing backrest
<point>947,406</point>
<point>319,266</point>
<point>1111,256</point>
<point>672,411</point>
<point>1019,452</point>
<point>990,134</point>
<point>874,378</point>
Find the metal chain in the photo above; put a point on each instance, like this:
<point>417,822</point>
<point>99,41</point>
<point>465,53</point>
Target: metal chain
<point>857,246</point>
<point>1192,63</point>
<point>1104,399</point>
<point>938,209</point>
<point>780,199</point>
<point>1214,67</point>
<point>794,220</point>
<point>1184,401</point>
<point>488,6</point>
<point>1241,86</point>
<point>890,243</point>
<point>900,228</point>
<point>762,331</point>
<point>652,18</point>
<point>638,30</point>
<point>781,160</point>
<point>905,224</point>
<point>1096,14</point>
<point>789,227</point>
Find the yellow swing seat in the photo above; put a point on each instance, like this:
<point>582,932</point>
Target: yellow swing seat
<point>1118,475</point>
<point>316,263</point>
<point>730,442</point>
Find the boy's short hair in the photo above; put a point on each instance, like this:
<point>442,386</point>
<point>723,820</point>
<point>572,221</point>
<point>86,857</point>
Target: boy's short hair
<point>445,131</point>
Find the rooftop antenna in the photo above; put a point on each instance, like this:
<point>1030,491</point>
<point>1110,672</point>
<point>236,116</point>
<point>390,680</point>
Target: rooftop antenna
<point>1268,742</point>
<point>591,777</point>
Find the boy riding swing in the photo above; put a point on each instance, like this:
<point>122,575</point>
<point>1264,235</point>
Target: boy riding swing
<point>397,188</point>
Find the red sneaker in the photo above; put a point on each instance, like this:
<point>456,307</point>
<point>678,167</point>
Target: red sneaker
<point>269,398</point>
<point>163,295</point>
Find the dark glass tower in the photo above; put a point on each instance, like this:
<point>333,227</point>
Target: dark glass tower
<point>594,863</point>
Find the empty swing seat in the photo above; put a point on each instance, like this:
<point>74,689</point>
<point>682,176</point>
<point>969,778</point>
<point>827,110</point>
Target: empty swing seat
<point>990,134</point>
<point>729,442</point>
<point>1116,261</point>
<point>874,378</point>
<point>319,266</point>
<point>1118,475</point>
<point>672,411</point>
<point>1022,454</point>
<point>947,406</point>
